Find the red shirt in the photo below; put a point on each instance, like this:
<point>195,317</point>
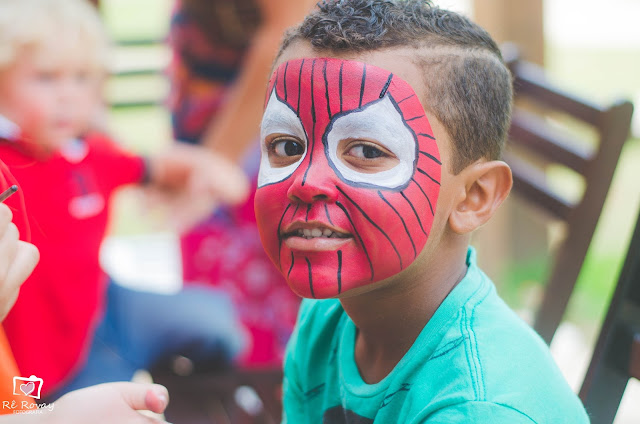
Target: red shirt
<point>67,202</point>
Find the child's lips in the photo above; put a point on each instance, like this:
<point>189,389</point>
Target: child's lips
<point>314,236</point>
<point>317,244</point>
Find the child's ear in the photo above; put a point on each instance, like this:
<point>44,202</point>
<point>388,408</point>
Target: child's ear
<point>486,184</point>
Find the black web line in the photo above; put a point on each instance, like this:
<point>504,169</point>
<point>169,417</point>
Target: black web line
<point>425,195</point>
<point>406,98</point>
<point>428,176</point>
<point>326,210</point>
<point>341,206</point>
<point>286,66</point>
<point>339,271</point>
<point>433,158</point>
<point>326,86</point>
<point>280,235</point>
<point>291,267</point>
<point>313,117</point>
<point>364,76</point>
<point>373,223</point>
<point>414,118</point>
<point>415,253</point>
<point>310,277</point>
<point>427,135</point>
<point>414,212</point>
<point>341,65</point>
<point>386,86</point>
<point>299,86</point>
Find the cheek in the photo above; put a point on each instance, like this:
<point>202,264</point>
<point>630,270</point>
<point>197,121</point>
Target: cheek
<point>393,225</point>
<point>271,206</point>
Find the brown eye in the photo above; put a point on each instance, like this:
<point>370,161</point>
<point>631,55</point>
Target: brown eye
<point>365,151</point>
<point>285,151</point>
<point>367,157</point>
<point>287,147</point>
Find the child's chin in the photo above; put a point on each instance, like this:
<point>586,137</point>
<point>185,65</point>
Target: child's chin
<point>324,284</point>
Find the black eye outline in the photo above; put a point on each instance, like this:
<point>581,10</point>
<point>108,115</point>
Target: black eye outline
<point>385,180</point>
<point>279,120</point>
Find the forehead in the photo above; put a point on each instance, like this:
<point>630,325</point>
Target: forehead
<point>398,61</point>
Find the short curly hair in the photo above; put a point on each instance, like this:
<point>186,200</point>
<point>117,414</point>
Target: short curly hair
<point>469,87</point>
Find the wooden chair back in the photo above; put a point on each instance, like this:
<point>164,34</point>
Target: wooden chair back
<point>616,357</point>
<point>538,141</point>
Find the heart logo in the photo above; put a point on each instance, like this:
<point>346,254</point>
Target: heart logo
<point>27,388</point>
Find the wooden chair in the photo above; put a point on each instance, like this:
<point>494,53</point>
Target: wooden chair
<point>536,141</point>
<point>237,396</point>
<point>616,357</point>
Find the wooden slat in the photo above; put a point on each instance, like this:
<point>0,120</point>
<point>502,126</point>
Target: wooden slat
<point>141,42</point>
<point>634,358</point>
<point>135,72</point>
<point>532,132</point>
<point>530,81</point>
<point>616,355</point>
<point>529,182</point>
<point>135,103</point>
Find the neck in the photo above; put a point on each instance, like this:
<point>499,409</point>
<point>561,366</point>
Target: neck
<point>390,317</point>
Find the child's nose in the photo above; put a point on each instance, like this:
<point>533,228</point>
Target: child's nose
<point>314,184</point>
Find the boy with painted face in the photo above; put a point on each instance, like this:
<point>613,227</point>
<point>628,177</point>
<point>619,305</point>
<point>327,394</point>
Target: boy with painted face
<point>381,139</point>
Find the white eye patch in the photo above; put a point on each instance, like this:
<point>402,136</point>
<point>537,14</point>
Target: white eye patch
<point>278,118</point>
<point>380,121</point>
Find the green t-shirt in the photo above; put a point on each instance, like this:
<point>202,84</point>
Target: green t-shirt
<point>474,362</point>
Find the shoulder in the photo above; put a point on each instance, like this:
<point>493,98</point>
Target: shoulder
<point>499,365</point>
<point>488,359</point>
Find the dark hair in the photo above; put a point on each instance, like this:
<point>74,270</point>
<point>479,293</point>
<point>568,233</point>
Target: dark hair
<point>468,85</point>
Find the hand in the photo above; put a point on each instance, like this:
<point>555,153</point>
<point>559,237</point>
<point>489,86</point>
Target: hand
<point>17,261</point>
<point>192,181</point>
<point>102,404</point>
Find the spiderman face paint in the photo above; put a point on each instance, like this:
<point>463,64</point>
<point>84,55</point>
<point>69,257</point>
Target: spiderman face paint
<point>349,176</point>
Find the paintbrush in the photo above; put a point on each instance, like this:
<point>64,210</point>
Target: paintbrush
<point>8,192</point>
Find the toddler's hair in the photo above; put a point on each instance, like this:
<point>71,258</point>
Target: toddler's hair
<point>468,85</point>
<point>73,24</point>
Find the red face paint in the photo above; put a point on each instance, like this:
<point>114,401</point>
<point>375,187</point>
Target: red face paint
<point>349,176</point>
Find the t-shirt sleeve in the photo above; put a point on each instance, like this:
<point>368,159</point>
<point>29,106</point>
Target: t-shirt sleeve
<point>476,412</point>
<point>116,165</point>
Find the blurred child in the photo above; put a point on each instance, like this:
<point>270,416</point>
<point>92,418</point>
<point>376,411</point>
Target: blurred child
<point>381,142</point>
<point>107,403</point>
<point>69,326</point>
